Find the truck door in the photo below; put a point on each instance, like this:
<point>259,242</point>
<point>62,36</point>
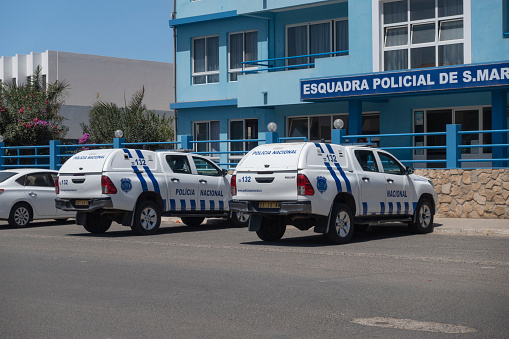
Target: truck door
<point>182,184</point>
<point>213,187</point>
<point>399,195</point>
<point>372,182</point>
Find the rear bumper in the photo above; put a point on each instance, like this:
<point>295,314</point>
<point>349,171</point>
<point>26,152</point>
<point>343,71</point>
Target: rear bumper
<point>251,207</point>
<point>93,204</point>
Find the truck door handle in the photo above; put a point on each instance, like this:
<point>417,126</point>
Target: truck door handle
<point>390,181</point>
<point>203,181</point>
<point>365,179</point>
<point>175,180</point>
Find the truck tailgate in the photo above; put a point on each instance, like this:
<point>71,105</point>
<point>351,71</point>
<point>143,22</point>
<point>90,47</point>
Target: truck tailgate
<point>267,186</point>
<point>83,185</point>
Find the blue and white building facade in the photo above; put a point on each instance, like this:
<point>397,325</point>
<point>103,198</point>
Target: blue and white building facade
<point>382,66</point>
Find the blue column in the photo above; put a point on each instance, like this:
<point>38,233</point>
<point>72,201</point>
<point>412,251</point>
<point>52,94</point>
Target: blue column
<point>499,121</point>
<point>185,141</point>
<point>271,137</point>
<point>338,136</point>
<point>118,142</point>
<point>354,118</point>
<point>53,154</point>
<point>2,154</point>
<point>453,140</point>
<point>223,147</point>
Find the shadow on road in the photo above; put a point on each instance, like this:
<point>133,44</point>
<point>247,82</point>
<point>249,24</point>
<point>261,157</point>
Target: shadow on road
<point>38,224</point>
<point>209,225</point>
<point>375,232</point>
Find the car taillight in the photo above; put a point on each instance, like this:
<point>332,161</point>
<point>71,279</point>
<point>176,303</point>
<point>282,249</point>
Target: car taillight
<point>57,187</point>
<point>304,187</point>
<point>233,185</point>
<point>107,186</point>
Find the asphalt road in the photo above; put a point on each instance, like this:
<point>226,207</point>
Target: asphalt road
<point>57,281</point>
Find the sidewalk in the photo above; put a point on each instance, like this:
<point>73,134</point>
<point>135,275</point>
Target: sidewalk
<point>472,226</point>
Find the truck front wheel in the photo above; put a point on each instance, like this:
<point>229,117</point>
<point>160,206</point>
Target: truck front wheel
<point>424,217</point>
<point>147,218</point>
<point>271,229</point>
<point>95,223</point>
<point>341,224</point>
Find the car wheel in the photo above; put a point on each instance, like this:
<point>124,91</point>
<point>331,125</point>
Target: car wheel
<point>97,224</point>
<point>424,218</point>
<point>21,215</point>
<point>271,229</point>
<point>192,221</point>
<point>147,218</point>
<point>341,224</point>
<point>239,219</point>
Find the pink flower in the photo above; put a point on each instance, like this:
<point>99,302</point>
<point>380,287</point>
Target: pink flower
<point>35,119</point>
<point>21,110</point>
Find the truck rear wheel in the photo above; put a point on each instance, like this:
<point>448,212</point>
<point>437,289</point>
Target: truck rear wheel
<point>147,218</point>
<point>341,224</point>
<point>424,218</point>
<point>271,229</point>
<point>96,224</point>
<point>192,221</point>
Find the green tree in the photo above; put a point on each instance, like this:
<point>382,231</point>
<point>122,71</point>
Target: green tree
<point>29,112</point>
<point>137,123</point>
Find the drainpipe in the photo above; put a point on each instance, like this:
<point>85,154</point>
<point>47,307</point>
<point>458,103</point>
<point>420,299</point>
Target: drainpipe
<point>175,111</point>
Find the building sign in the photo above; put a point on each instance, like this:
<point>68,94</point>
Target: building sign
<point>443,78</point>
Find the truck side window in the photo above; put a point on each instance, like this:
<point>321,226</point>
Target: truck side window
<point>204,167</point>
<point>366,160</point>
<point>179,163</point>
<point>390,165</point>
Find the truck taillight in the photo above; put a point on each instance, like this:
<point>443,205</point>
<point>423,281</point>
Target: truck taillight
<point>57,187</point>
<point>304,187</point>
<point>107,186</point>
<point>233,185</point>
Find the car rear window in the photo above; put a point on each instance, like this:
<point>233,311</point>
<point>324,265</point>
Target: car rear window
<point>6,175</point>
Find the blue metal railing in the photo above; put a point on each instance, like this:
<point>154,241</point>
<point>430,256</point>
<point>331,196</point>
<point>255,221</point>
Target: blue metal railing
<point>270,64</point>
<point>55,153</point>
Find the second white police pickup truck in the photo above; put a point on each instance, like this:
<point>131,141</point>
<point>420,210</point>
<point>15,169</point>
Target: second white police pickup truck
<point>332,188</point>
<point>136,187</point>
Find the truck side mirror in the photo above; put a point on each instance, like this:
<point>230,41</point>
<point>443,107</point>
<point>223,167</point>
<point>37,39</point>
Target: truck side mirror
<point>409,170</point>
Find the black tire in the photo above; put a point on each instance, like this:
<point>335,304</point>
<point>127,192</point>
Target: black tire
<point>239,219</point>
<point>271,229</point>
<point>424,217</point>
<point>147,218</point>
<point>96,224</point>
<point>192,221</point>
<point>21,215</point>
<point>341,225</point>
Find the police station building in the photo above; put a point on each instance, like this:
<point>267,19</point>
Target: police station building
<point>382,66</point>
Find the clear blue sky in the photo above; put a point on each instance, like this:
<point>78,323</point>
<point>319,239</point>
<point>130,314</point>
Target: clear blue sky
<point>132,29</point>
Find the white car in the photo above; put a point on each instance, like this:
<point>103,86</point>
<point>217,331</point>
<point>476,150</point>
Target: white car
<point>29,194</point>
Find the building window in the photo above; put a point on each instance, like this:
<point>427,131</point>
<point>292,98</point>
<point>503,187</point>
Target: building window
<point>318,128</point>
<point>242,130</point>
<point>315,38</point>
<point>436,120</point>
<point>505,17</point>
<point>205,60</point>
<point>206,131</point>
<point>243,46</point>
<point>422,33</point>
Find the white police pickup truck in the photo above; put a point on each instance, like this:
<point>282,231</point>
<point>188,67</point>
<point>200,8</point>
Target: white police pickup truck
<point>136,187</point>
<point>332,188</point>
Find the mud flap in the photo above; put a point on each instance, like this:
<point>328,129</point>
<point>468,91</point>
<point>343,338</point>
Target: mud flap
<point>81,218</point>
<point>322,224</point>
<point>255,222</point>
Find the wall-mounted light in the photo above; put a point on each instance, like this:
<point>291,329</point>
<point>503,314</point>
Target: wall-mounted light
<point>1,138</point>
<point>338,124</point>
<point>272,127</point>
<point>119,133</point>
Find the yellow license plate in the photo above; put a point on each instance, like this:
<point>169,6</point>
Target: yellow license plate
<point>269,205</point>
<point>81,203</point>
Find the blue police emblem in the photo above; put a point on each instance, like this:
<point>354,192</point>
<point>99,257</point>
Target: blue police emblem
<point>126,184</point>
<point>321,184</point>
